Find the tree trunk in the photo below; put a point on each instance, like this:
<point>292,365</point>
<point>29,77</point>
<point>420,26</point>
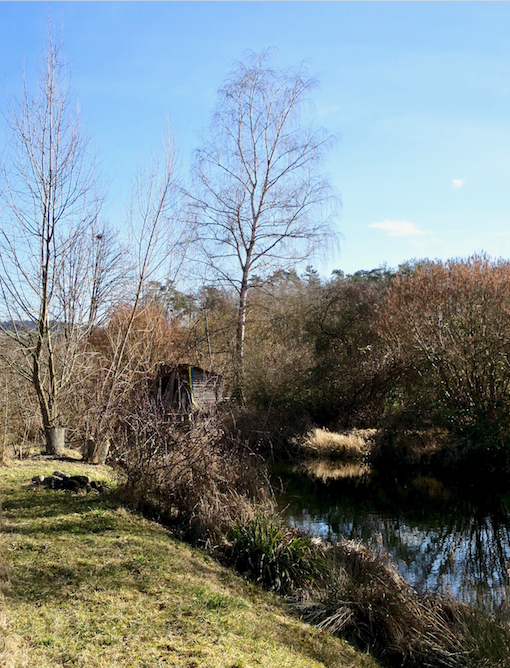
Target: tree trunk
<point>96,452</point>
<point>55,440</point>
<point>238,392</point>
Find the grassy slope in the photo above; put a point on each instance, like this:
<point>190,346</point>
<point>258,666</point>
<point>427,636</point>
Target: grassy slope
<point>94,585</point>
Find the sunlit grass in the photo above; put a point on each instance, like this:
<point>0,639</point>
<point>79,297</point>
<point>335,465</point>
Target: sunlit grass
<point>352,444</point>
<point>91,584</point>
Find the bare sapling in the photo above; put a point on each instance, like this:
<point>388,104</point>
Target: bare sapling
<point>156,248</point>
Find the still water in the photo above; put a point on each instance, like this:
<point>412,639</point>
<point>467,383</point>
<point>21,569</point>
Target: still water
<point>443,538</point>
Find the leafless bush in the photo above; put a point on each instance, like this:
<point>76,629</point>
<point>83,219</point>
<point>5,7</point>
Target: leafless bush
<point>195,472</point>
<point>20,422</point>
<point>451,321</point>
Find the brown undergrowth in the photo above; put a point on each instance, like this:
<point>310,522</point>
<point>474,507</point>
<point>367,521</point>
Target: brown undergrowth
<point>367,601</point>
<point>357,593</point>
<point>197,475</point>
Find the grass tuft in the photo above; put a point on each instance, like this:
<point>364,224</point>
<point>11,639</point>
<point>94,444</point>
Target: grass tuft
<point>367,601</point>
<point>275,555</point>
<point>353,444</point>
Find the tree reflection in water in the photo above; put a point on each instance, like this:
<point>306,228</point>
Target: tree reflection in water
<point>443,540</point>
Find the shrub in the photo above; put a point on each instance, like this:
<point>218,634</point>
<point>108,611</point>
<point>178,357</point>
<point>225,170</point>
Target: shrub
<point>196,474</point>
<point>451,322</point>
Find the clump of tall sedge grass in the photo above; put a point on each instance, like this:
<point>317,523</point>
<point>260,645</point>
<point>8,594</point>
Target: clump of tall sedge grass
<point>274,554</point>
<point>367,601</point>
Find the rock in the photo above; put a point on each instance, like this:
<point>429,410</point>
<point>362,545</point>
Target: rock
<point>71,484</point>
<point>82,479</point>
<point>53,481</point>
<point>62,474</point>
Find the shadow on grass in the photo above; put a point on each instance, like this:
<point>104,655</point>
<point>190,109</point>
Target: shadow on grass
<point>85,549</point>
<point>42,503</point>
<point>47,581</point>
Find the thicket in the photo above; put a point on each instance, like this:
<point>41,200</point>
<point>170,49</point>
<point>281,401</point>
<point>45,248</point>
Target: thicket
<point>421,353</point>
<point>449,324</point>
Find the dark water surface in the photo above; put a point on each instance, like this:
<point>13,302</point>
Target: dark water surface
<point>443,537</point>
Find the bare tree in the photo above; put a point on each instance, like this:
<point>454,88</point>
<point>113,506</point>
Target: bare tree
<point>156,249</point>
<point>258,200</point>
<point>55,259</point>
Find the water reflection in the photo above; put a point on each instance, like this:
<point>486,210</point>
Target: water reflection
<point>442,538</point>
<point>325,469</point>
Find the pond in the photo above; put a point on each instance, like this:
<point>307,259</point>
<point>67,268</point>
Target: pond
<point>443,538</point>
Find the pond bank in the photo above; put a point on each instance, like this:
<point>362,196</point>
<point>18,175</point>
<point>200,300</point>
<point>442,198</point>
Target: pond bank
<point>91,584</point>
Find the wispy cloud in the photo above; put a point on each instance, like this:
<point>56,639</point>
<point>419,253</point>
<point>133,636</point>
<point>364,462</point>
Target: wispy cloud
<point>458,183</point>
<point>398,228</point>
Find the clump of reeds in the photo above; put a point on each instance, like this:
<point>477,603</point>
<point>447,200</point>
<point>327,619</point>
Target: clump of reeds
<point>274,554</point>
<point>366,600</point>
<point>353,444</point>
<point>370,603</point>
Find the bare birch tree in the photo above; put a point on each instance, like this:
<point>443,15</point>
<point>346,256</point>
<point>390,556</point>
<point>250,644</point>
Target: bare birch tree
<point>259,201</point>
<point>54,256</point>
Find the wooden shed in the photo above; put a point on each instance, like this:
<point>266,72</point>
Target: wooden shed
<point>185,388</point>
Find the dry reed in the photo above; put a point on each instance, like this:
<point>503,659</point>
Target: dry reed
<point>353,444</point>
<point>369,602</point>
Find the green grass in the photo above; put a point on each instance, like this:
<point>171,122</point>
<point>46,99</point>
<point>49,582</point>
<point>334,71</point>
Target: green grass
<point>91,584</point>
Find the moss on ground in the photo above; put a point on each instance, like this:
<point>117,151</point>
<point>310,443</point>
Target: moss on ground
<point>91,584</point>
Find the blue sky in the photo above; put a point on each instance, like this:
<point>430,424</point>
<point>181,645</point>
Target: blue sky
<point>418,93</point>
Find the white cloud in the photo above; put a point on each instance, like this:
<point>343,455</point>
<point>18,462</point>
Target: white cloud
<point>458,183</point>
<point>398,228</point>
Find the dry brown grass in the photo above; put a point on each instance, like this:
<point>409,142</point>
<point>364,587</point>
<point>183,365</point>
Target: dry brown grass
<point>197,475</point>
<point>12,652</point>
<point>352,444</point>
<point>368,601</point>
<point>374,605</point>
